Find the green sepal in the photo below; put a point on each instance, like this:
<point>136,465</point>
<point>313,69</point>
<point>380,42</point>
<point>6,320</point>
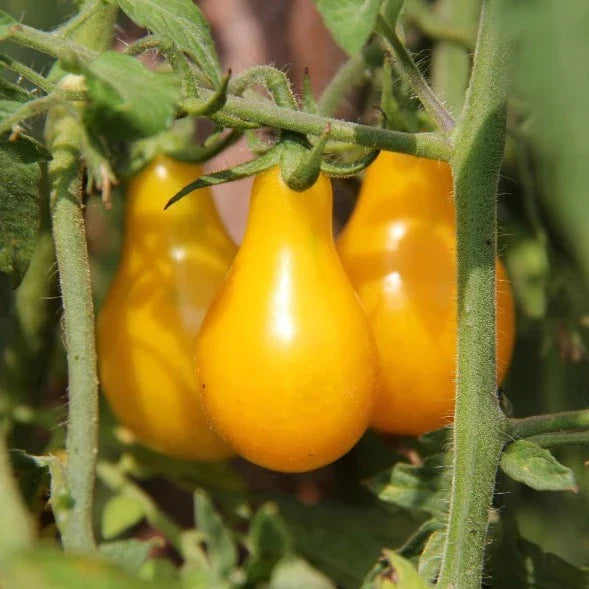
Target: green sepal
<point>340,169</point>
<point>244,170</point>
<point>300,164</point>
<point>275,81</point>
<point>214,103</point>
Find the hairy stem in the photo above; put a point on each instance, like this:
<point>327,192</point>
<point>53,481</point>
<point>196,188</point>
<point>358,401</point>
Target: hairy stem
<point>479,425</point>
<point>409,68</point>
<point>550,423</point>
<point>451,62</point>
<point>430,145</point>
<point>15,522</point>
<point>557,439</point>
<point>69,234</point>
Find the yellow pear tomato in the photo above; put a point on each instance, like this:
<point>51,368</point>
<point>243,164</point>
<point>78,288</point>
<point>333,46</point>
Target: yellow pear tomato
<point>399,249</point>
<point>172,263</point>
<point>286,362</point>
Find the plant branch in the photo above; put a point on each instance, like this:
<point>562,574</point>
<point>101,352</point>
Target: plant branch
<point>548,424</point>
<point>408,67</point>
<point>26,72</point>
<point>51,44</point>
<point>15,522</point>
<point>430,145</point>
<point>69,234</point>
<point>143,44</point>
<point>557,439</point>
<point>479,424</point>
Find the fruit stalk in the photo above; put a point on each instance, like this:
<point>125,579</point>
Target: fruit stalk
<point>479,431</point>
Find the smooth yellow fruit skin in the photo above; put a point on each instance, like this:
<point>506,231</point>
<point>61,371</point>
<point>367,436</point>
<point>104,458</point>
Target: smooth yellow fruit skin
<point>399,249</point>
<point>286,362</point>
<point>172,263</point>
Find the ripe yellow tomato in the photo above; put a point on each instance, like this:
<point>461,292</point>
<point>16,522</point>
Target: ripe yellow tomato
<point>286,362</point>
<point>172,263</point>
<point>401,259</point>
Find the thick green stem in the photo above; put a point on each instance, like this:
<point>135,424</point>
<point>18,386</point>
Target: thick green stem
<point>479,427</point>
<point>550,423</point>
<point>430,145</point>
<point>451,62</point>
<point>69,234</point>
<point>15,522</point>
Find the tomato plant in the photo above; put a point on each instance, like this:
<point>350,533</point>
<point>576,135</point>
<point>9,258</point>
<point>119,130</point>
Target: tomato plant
<point>207,422</point>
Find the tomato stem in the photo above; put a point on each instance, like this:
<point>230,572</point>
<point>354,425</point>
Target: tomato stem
<point>405,63</point>
<point>552,423</point>
<point>480,425</point>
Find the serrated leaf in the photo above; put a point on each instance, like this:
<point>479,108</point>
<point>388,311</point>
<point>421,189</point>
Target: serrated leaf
<point>349,21</point>
<point>120,513</point>
<point>431,557</point>
<point>19,206</point>
<point>221,549</point>
<point>412,487</point>
<point>181,23</point>
<point>130,555</point>
<point>269,541</point>
<point>127,100</point>
<point>393,572</point>
<point>536,467</point>
<point>294,573</point>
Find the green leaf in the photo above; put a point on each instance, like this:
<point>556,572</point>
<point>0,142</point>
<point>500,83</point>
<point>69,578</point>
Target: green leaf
<point>52,569</point>
<point>536,467</point>
<point>393,572</point>
<point>294,573</point>
<point>431,557</point>
<point>19,206</point>
<point>221,549</point>
<point>349,21</point>
<point>130,555</point>
<point>127,100</point>
<point>120,513</point>
<point>181,23</point>
<point>344,539</point>
<point>517,562</point>
<point>269,541</point>
<point>412,487</point>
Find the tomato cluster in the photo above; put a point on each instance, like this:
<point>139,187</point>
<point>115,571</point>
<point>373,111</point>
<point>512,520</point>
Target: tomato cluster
<point>290,365</point>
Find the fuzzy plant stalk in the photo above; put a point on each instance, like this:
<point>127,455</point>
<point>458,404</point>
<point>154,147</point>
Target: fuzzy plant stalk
<point>480,426</point>
<point>92,28</point>
<point>69,235</point>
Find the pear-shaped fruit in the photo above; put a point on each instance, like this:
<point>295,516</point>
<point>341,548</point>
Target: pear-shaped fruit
<point>171,265</point>
<point>286,362</point>
<point>399,249</point>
